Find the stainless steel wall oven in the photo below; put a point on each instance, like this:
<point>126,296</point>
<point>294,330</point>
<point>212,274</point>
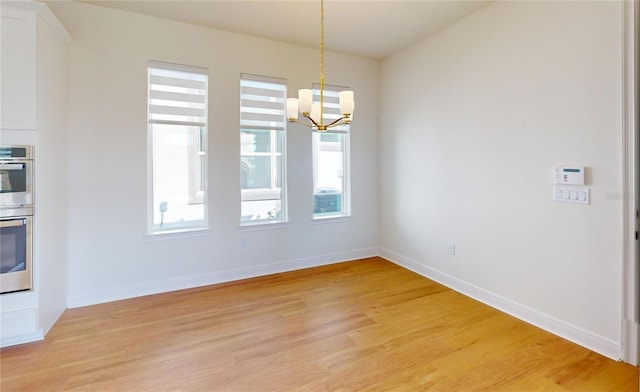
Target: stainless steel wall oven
<point>16,218</point>
<point>16,176</point>
<point>16,244</point>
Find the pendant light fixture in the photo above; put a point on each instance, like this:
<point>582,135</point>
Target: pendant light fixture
<point>313,112</point>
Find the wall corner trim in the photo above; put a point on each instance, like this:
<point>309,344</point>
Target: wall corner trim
<point>574,334</point>
<point>630,116</point>
<point>52,21</point>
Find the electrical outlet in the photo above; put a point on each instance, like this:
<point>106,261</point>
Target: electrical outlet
<point>452,249</point>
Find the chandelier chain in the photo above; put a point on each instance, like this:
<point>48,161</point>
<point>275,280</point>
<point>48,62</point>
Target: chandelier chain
<point>321,60</point>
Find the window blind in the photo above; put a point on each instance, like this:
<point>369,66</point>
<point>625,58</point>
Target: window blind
<point>177,94</point>
<point>263,102</point>
<point>331,109</point>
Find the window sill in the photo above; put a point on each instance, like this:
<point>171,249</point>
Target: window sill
<point>330,219</point>
<point>263,226</point>
<point>178,233</point>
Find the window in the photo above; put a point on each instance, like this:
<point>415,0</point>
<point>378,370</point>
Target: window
<point>177,137</point>
<point>262,149</point>
<point>331,183</point>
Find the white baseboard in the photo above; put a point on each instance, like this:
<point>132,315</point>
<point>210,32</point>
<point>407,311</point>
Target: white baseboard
<point>574,334</point>
<point>19,326</point>
<point>147,288</point>
<point>21,339</point>
<point>569,332</point>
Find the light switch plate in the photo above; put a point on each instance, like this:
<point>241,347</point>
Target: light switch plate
<point>572,194</point>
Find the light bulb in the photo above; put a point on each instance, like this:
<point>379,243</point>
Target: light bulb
<point>346,102</point>
<point>305,98</point>
<point>292,108</point>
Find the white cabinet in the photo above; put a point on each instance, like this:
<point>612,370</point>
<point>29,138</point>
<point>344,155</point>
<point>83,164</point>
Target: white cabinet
<point>33,75</point>
<point>17,68</point>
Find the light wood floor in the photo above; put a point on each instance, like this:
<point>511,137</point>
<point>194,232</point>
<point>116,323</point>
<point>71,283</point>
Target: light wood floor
<point>364,325</point>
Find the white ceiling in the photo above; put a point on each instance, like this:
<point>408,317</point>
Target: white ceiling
<point>368,28</point>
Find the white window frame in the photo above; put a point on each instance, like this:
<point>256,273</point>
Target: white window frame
<point>331,112</point>
<point>269,119</point>
<point>176,111</point>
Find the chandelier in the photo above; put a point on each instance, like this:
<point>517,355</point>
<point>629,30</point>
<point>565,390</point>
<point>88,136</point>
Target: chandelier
<point>313,112</point>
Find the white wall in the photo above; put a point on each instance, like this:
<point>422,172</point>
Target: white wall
<point>50,227</point>
<point>474,119</point>
<point>110,257</point>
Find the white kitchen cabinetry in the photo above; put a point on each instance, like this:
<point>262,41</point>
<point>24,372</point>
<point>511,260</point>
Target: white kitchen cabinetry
<point>34,75</point>
<point>18,67</point>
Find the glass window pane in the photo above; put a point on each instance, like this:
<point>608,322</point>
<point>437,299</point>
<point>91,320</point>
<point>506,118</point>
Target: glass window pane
<point>178,188</point>
<point>256,172</point>
<point>265,141</point>
<point>331,137</point>
<point>261,210</point>
<point>329,174</point>
<point>261,160</point>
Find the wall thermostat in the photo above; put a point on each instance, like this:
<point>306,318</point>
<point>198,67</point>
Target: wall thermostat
<point>568,175</point>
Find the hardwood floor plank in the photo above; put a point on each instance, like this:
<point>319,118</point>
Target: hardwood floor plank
<point>366,325</point>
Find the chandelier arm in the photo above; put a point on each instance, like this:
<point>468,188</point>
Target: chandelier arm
<point>308,117</point>
<point>315,124</point>
<point>336,122</point>
<point>300,122</point>
<point>321,127</point>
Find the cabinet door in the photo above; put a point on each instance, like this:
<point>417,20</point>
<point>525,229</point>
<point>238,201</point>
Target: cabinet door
<point>17,68</point>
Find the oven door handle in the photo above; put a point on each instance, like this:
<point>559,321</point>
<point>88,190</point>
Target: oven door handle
<point>13,222</point>
<point>11,166</point>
